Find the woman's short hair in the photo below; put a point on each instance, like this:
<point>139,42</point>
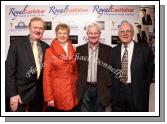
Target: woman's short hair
<point>62,26</point>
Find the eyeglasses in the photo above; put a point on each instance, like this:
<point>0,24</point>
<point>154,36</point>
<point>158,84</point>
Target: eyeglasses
<point>126,31</point>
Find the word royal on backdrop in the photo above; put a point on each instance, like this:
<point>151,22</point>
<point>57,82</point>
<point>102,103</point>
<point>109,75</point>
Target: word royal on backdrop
<point>15,13</point>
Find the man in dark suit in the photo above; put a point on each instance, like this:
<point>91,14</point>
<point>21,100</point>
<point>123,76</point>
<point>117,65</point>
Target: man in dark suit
<point>24,69</point>
<point>146,19</point>
<point>130,91</point>
<point>94,83</point>
<point>141,35</point>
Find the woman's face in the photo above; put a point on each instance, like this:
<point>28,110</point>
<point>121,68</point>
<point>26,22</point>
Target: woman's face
<point>62,35</point>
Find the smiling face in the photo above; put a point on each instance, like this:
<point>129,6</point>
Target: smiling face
<point>126,33</point>
<point>36,29</point>
<point>93,33</point>
<point>62,35</point>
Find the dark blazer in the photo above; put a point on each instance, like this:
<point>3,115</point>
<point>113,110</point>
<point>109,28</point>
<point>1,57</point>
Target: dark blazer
<point>21,77</point>
<point>147,21</point>
<point>103,74</point>
<point>141,74</point>
<point>143,38</point>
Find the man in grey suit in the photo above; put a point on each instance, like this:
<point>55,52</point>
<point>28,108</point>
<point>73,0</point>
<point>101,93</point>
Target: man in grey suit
<point>94,81</point>
<point>24,69</point>
<point>130,91</point>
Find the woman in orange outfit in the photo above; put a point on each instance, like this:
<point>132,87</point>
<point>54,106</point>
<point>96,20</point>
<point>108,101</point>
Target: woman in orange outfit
<point>60,72</point>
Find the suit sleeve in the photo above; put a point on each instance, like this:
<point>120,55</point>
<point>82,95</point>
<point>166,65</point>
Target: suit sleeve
<point>10,71</point>
<point>47,84</point>
<point>150,21</point>
<point>149,64</point>
<point>144,35</point>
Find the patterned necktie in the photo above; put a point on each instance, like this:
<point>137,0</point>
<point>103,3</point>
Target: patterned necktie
<point>36,57</point>
<point>124,66</point>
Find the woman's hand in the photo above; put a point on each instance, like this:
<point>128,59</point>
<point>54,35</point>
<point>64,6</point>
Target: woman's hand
<point>51,103</point>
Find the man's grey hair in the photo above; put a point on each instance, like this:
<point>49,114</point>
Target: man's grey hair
<point>93,25</point>
<point>126,22</point>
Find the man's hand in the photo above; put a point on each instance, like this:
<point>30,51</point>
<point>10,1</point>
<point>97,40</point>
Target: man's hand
<point>14,102</point>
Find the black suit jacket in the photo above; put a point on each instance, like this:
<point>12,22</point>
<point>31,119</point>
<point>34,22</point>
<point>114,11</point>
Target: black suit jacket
<point>143,38</point>
<point>147,21</point>
<point>103,74</point>
<point>21,75</point>
<point>141,74</point>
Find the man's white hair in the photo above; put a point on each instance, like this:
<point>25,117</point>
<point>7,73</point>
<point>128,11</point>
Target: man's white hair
<point>93,25</point>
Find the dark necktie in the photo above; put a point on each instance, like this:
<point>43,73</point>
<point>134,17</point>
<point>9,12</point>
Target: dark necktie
<point>141,35</point>
<point>124,66</point>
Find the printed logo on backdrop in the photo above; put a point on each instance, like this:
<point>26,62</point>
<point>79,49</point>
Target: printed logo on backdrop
<point>48,25</point>
<point>74,39</point>
<point>71,23</point>
<point>48,40</point>
<point>112,10</point>
<point>100,23</point>
<point>25,12</point>
<point>20,26</point>
<point>114,25</point>
<point>66,10</point>
<point>11,25</point>
<point>115,40</point>
<point>45,39</point>
<point>13,38</point>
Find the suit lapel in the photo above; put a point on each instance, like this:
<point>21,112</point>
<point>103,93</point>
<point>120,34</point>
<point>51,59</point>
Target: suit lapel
<point>100,54</point>
<point>85,53</point>
<point>118,58</point>
<point>43,50</point>
<point>134,55</point>
<point>84,66</point>
<point>100,57</point>
<point>29,50</point>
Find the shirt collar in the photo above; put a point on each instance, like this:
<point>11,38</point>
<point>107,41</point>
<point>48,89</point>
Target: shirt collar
<point>129,45</point>
<point>93,49</point>
<point>31,41</point>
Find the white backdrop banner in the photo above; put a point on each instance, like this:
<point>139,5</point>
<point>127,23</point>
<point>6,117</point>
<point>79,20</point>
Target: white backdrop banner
<point>109,17</point>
